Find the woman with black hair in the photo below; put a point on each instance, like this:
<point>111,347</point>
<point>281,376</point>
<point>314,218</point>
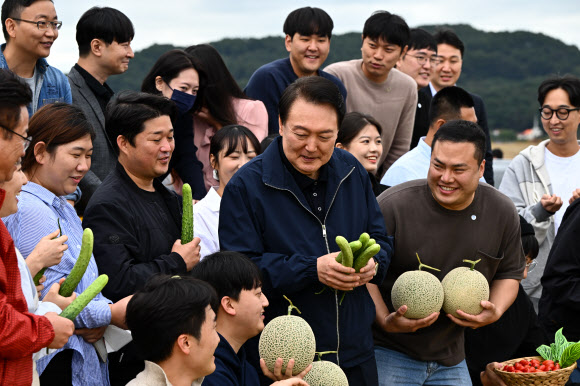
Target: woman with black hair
<point>224,103</point>
<point>179,77</point>
<point>360,135</point>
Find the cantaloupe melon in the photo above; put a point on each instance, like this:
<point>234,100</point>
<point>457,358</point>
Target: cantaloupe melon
<point>464,289</point>
<point>288,337</point>
<point>324,373</point>
<point>420,291</point>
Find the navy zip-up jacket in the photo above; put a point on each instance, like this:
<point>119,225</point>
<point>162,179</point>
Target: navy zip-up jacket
<point>264,215</point>
<point>231,369</point>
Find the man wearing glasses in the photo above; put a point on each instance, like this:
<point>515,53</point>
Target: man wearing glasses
<point>376,88</point>
<point>30,28</point>
<point>450,53</point>
<point>543,180</point>
<point>419,63</point>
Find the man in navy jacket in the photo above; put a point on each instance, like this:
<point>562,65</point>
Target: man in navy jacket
<point>286,207</point>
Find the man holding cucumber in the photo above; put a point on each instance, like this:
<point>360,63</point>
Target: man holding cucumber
<point>22,333</point>
<point>284,210</point>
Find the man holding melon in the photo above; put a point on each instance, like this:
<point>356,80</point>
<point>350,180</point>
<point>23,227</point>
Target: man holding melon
<point>459,226</point>
<point>284,210</point>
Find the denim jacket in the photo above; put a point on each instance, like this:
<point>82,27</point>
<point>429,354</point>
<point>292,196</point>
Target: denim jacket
<point>54,86</point>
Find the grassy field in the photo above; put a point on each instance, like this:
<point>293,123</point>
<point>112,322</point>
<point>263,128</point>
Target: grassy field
<point>511,149</point>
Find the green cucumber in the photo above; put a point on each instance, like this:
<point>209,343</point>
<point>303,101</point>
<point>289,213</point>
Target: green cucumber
<point>364,257</point>
<point>364,239</point>
<point>347,257</point>
<point>76,274</point>
<point>38,276</point>
<point>187,218</point>
<point>81,301</point>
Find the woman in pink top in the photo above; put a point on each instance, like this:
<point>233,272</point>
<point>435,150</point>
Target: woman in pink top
<point>224,104</point>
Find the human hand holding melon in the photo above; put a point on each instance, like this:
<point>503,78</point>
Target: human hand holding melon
<point>277,375</point>
<point>489,315</point>
<point>397,322</point>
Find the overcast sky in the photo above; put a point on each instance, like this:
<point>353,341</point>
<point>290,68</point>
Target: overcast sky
<point>186,22</point>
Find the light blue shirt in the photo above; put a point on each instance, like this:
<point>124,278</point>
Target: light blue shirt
<point>413,165</point>
<point>38,211</point>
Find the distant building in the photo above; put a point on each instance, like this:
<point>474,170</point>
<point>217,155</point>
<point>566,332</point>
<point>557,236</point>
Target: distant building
<point>532,133</point>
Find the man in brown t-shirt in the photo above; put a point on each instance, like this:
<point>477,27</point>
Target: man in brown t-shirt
<point>445,219</point>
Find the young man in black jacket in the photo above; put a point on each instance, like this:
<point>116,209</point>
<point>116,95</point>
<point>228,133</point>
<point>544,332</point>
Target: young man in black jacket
<point>135,219</point>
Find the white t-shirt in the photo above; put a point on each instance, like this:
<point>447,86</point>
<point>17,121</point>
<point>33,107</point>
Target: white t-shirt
<point>206,215</point>
<point>565,177</point>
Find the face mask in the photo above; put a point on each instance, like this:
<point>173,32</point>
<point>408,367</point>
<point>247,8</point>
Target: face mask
<point>183,100</point>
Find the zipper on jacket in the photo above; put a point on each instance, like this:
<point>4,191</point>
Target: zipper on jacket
<point>325,236</point>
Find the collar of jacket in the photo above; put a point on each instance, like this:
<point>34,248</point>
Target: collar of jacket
<point>41,64</point>
<point>275,173</point>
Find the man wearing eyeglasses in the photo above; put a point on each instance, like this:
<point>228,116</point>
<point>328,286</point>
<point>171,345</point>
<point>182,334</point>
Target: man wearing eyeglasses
<point>450,51</point>
<point>419,63</point>
<point>543,180</point>
<point>30,29</point>
<point>376,88</point>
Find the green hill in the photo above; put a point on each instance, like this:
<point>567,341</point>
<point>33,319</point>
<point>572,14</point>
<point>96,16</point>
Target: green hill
<point>504,68</point>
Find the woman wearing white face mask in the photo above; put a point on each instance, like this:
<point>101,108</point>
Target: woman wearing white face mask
<point>179,77</point>
<point>230,149</point>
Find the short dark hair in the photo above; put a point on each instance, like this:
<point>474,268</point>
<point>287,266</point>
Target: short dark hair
<point>55,124</point>
<point>460,131</point>
<point>221,88</point>
<point>388,27</point>
<point>313,89</point>
<point>165,308</point>
<point>568,83</point>
<point>104,23</point>
<point>448,36</point>
<point>447,104</point>
<point>421,39</point>
<point>14,94</point>
<point>13,9</point>
<point>228,273</point>
<point>229,137</point>
<point>308,21</point>
<point>352,124</point>
<point>126,115</point>
<point>168,67</point>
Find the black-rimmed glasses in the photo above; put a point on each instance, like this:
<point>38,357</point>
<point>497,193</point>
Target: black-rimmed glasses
<point>562,112</point>
<point>26,140</point>
<point>422,59</point>
<point>42,25</point>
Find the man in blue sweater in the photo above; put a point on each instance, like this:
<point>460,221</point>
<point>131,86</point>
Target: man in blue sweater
<point>308,31</point>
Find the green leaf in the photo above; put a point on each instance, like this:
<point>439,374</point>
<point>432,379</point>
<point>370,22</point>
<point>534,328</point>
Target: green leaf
<point>545,352</point>
<point>561,343</point>
<point>554,351</point>
<point>570,355</point>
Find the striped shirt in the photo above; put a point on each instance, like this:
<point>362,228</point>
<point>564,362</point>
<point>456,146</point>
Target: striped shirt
<point>38,211</point>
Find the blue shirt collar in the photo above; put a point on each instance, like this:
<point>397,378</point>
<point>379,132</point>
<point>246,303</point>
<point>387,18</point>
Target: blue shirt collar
<point>45,195</point>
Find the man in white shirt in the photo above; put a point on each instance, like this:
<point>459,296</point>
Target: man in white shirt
<point>543,180</point>
<point>450,103</point>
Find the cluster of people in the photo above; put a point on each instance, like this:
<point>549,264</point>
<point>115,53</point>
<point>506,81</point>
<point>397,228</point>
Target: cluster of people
<point>386,144</point>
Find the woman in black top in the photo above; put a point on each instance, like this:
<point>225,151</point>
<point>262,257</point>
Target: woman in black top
<point>360,135</point>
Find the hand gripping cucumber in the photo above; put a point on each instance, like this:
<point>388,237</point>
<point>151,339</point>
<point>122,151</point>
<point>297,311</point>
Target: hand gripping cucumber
<point>76,274</point>
<point>75,308</point>
<point>187,218</point>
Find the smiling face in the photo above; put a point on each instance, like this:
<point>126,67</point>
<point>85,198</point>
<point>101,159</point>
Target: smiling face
<point>228,165</point>
<point>26,37</point>
<point>250,311</point>
<point>149,157</point>
<point>308,136</point>
<point>421,73</point>
<point>454,174</point>
<point>12,149</point>
<point>367,147</point>
<point>378,58</point>
<point>307,53</point>
<point>202,361</point>
<point>448,70</point>
<point>61,171</point>
<point>561,132</point>
<point>186,81</point>
<point>12,188</point>
<point>116,57</point>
